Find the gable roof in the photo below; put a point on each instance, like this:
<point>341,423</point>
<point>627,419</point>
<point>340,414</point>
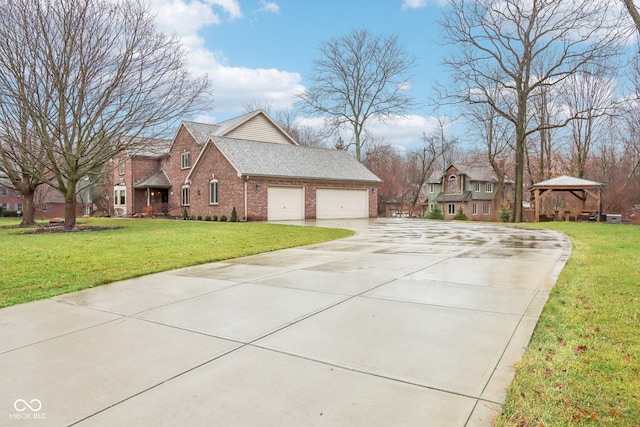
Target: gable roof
<point>156,179</point>
<point>476,171</point>
<point>567,181</point>
<point>203,132</point>
<point>148,147</point>
<point>265,159</point>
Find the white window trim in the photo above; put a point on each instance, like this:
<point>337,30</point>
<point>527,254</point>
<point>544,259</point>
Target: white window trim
<point>186,155</point>
<point>488,187</point>
<point>477,187</point>
<point>211,202</point>
<point>486,211</point>
<point>188,193</point>
<point>474,209</point>
<point>432,188</point>
<point>449,205</point>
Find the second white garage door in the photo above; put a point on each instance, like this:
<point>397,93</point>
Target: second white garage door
<point>338,203</point>
<point>285,203</point>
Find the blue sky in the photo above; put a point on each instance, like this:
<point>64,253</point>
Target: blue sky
<point>264,50</point>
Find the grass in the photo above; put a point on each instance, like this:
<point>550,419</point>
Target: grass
<point>37,266</point>
<point>582,366</point>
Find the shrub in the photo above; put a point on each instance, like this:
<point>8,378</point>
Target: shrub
<point>223,218</point>
<point>435,213</point>
<point>460,215</point>
<point>505,214</point>
<point>185,214</point>
<point>215,217</point>
<point>199,217</point>
<point>8,213</point>
<point>234,215</point>
<point>207,218</point>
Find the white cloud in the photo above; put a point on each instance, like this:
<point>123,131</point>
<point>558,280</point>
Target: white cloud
<point>233,86</point>
<point>268,6</point>
<point>413,4</point>
<point>400,132</point>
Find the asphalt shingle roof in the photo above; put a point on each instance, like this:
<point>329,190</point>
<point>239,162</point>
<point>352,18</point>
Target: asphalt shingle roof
<point>255,158</point>
<point>156,179</point>
<point>567,181</point>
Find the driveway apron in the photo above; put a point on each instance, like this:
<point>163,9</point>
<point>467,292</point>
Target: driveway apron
<point>407,322</point>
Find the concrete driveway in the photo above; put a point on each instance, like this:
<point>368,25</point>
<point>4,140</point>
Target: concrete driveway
<point>406,323</point>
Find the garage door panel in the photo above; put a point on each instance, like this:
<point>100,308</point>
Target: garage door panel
<point>342,203</point>
<point>285,203</point>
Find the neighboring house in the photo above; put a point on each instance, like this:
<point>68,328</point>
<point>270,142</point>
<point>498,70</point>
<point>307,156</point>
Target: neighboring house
<point>10,199</point>
<point>467,187</point>
<point>48,202</point>
<point>248,163</point>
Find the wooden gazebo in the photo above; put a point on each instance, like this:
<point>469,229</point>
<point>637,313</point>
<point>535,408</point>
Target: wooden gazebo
<point>580,188</point>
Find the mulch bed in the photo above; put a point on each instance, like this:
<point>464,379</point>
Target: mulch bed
<point>58,228</point>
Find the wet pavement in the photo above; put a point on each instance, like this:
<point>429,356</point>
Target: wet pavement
<point>405,323</point>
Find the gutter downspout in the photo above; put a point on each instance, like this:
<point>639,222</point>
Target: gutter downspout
<point>246,208</point>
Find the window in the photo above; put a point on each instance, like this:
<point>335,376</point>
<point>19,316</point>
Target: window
<point>185,160</point>
<point>451,209</point>
<point>121,168</point>
<point>488,187</point>
<point>453,178</point>
<point>486,208</point>
<point>474,209</point>
<point>432,188</point>
<point>186,192</point>
<point>119,196</point>
<point>18,206</point>
<point>213,192</point>
<point>4,191</point>
<point>45,208</point>
<point>5,206</point>
<point>477,187</point>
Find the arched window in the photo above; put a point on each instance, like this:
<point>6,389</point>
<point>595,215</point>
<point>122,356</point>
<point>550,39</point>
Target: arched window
<point>186,195</point>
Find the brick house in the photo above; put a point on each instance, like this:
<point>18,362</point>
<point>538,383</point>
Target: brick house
<point>248,163</point>
<point>468,187</point>
<point>48,202</point>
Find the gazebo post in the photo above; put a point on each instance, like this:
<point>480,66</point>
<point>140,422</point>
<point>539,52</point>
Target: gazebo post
<point>536,200</point>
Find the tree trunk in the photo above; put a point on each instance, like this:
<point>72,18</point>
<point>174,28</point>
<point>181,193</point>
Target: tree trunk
<point>70,206</point>
<point>28,210</point>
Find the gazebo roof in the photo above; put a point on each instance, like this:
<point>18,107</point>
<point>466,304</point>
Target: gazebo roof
<point>565,181</point>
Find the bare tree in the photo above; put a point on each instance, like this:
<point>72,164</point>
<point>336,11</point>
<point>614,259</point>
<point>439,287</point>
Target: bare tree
<point>633,12</point>
<point>589,97</point>
<point>359,77</point>
<point>519,46</point>
<point>424,160</point>
<point>98,74</point>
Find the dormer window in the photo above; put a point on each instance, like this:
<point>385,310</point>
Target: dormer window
<point>488,187</point>
<point>452,177</point>
<point>185,160</point>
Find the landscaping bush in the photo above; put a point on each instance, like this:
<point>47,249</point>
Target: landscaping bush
<point>10,214</point>
<point>199,217</point>
<point>435,213</point>
<point>460,215</point>
<point>223,218</point>
<point>504,214</point>
<point>234,215</point>
<point>185,214</point>
<point>215,217</point>
<point>207,218</point>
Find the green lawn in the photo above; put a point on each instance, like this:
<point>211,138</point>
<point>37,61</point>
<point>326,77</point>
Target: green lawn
<point>582,366</point>
<point>37,266</point>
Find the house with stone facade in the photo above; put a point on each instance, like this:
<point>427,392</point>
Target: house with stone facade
<point>248,163</point>
<point>467,187</point>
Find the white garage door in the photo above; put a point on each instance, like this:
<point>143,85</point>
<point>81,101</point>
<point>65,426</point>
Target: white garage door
<point>335,203</point>
<point>285,203</point>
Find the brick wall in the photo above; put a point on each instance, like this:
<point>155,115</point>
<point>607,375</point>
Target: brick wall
<point>231,190</point>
